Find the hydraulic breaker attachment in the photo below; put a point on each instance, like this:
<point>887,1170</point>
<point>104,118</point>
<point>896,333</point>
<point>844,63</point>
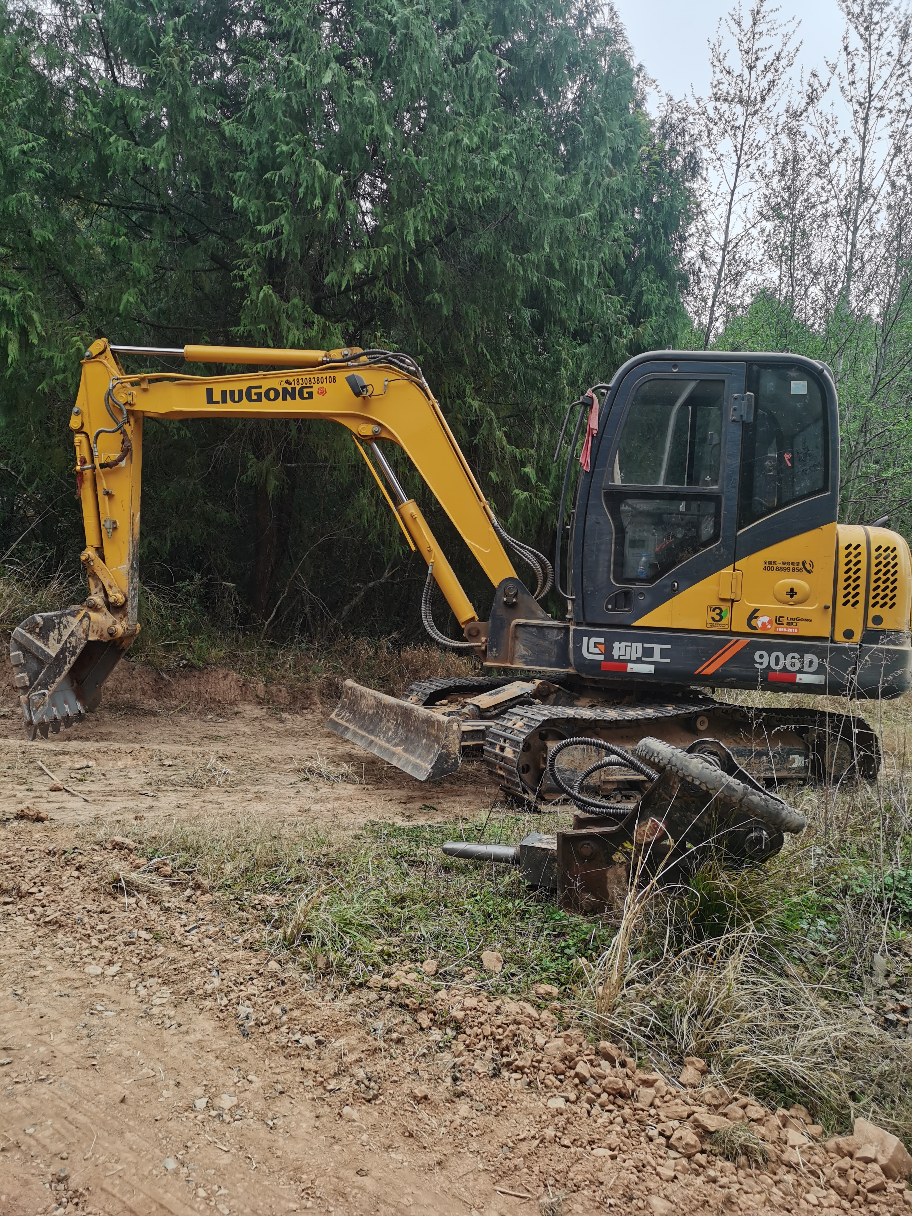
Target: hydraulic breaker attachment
<point>424,744</point>
<point>699,804</point>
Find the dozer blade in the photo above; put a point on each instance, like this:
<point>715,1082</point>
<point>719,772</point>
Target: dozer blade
<point>423,744</point>
<point>57,670</point>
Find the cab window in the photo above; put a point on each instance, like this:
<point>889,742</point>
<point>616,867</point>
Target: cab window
<point>784,451</point>
<point>672,435</point>
<point>670,441</point>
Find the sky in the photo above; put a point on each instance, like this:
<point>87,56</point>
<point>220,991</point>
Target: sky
<point>669,36</point>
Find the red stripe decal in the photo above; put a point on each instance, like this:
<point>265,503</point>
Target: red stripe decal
<point>721,657</point>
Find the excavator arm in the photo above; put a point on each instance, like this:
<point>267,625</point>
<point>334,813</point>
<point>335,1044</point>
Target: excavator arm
<point>61,659</point>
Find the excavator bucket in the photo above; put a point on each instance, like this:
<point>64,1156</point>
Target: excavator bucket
<point>58,670</point>
<point>424,744</point>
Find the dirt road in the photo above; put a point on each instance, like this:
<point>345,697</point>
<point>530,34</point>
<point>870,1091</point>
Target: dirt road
<point>149,1063</point>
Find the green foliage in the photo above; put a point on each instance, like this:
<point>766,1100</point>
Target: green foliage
<point>890,890</point>
<point>474,182</point>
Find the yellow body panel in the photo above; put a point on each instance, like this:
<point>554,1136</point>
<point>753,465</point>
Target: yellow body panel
<point>690,609</point>
<point>395,407</point>
<point>851,581</point>
<point>743,598</point>
<point>890,584</point>
<point>788,588</point>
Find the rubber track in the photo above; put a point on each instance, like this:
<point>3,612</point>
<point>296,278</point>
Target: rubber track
<point>423,691</point>
<point>505,736</point>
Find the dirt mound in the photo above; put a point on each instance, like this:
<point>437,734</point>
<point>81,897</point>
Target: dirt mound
<point>140,688</point>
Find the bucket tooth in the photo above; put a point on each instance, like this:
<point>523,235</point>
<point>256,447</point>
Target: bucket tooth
<point>424,744</point>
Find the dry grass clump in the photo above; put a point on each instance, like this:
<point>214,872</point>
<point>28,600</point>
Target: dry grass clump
<point>737,1141</point>
<point>770,974</point>
<point>29,588</point>
<point>178,633</point>
<point>331,771</point>
<point>745,1004</point>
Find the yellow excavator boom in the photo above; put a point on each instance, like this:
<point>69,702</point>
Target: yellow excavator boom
<point>381,397</point>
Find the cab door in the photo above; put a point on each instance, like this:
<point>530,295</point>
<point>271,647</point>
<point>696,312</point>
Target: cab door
<point>787,502</point>
<point>661,511</point>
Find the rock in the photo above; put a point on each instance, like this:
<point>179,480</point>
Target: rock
<point>55,788</point>
<point>423,1019</point>
<point>842,1146</point>
<point>703,1121</point>
<point>272,965</point>
<point>684,1142</point>
<point>666,1172</point>
<point>645,1096</point>
<point>130,846</point>
<point>866,1154</point>
<point>582,1072</point>
<point>547,990</point>
<point>111,971</point>
<point>659,1206</point>
<point>350,1114</point>
<point>874,1179</point>
<point>880,970</point>
<point>892,1156</point>
<point>226,1102</point>
<point>752,1111</point>
<point>796,1139</point>
<point>429,966</point>
<point>689,1076</point>
<point>92,969</point>
<point>492,961</point>
<point>200,1103</point>
<point>735,1113</point>
<point>170,1164</point>
<point>421,1093</point>
<point>609,1052</point>
<point>32,814</point>
<point>556,1104</point>
<point>696,1063</point>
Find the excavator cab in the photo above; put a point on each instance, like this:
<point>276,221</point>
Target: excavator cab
<point>701,464</point>
<point>707,520</point>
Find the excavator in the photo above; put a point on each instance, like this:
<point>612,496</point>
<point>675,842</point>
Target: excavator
<point>698,552</point>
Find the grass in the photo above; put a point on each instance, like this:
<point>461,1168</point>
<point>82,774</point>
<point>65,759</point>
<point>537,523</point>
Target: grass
<point>30,588</point>
<point>181,632</point>
<point>738,1141</point>
<point>387,898</point>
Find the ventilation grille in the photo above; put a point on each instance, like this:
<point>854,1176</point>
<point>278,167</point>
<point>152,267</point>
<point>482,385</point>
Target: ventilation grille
<point>884,576</point>
<point>851,575</point>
